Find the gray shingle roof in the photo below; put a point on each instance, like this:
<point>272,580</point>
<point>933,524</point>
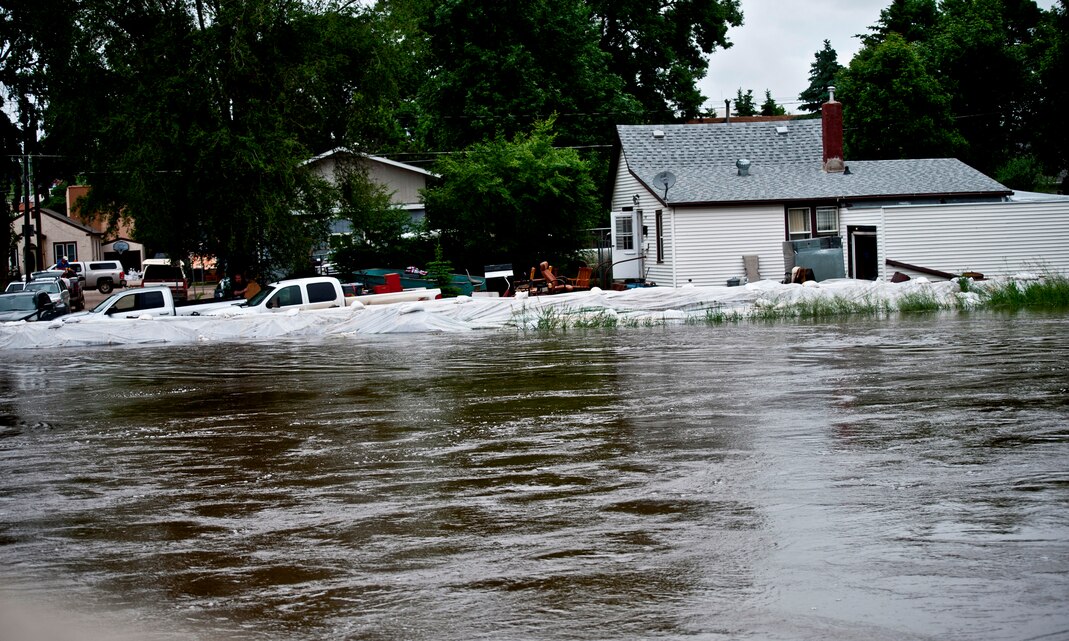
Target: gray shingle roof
<point>784,166</point>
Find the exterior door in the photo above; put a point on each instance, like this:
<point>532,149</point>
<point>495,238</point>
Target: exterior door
<point>627,262</point>
<point>864,264</point>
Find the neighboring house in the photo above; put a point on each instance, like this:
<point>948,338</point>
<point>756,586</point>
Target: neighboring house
<point>61,236</point>
<point>691,201</point>
<point>117,244</point>
<point>402,181</point>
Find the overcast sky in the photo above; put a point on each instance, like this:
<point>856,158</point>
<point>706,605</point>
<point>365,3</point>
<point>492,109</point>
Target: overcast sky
<point>776,45</point>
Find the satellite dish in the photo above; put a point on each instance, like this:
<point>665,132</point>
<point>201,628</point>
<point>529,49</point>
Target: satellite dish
<point>121,246</point>
<point>665,179</point>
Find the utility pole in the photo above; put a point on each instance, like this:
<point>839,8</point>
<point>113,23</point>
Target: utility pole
<point>27,254</point>
<point>36,198</point>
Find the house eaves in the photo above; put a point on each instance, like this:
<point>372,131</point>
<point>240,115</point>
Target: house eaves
<point>337,151</point>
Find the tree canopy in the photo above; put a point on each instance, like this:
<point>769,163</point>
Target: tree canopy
<point>979,71</point>
<point>518,201</point>
<point>897,108</point>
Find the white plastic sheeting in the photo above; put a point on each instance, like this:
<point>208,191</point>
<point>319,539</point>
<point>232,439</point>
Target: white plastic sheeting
<point>640,305</point>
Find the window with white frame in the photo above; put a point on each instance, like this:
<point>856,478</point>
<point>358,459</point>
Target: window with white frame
<point>827,220</point>
<point>659,218</point>
<point>625,233</point>
<point>70,250</point>
<point>798,223</point>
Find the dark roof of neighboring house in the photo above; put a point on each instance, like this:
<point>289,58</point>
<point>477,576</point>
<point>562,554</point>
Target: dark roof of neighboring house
<point>785,165</point>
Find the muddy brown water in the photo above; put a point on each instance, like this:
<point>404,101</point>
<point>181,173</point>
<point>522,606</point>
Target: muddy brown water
<point>892,479</point>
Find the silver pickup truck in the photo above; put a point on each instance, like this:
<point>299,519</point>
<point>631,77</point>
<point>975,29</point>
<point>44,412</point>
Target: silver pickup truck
<point>102,275</point>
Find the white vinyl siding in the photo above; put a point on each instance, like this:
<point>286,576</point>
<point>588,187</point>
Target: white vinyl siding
<point>710,243</point>
<point>996,239</point>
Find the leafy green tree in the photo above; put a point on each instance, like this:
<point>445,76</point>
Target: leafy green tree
<point>744,103</point>
<point>498,67</point>
<point>1049,126</point>
<point>1021,172</point>
<point>893,107</point>
<point>518,201</point>
<point>769,106</point>
<point>913,20</point>
<point>382,234</point>
<point>660,49</point>
<point>822,74</point>
<point>981,51</point>
<point>196,124</point>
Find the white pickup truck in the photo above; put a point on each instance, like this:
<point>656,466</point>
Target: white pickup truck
<point>300,293</point>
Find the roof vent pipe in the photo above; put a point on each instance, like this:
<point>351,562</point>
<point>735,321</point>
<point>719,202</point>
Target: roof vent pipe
<point>744,166</point>
<point>727,111</point>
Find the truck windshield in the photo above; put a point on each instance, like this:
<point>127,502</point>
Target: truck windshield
<point>260,296</point>
<point>104,304</point>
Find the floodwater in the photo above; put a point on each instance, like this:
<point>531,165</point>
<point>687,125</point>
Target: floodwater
<point>887,479</point>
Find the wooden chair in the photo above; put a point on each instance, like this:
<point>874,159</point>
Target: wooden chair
<point>582,279</point>
<point>555,284</point>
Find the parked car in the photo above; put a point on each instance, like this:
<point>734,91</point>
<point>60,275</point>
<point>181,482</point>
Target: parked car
<point>57,290</point>
<point>102,275</point>
<point>74,285</point>
<point>15,286</point>
<point>27,306</point>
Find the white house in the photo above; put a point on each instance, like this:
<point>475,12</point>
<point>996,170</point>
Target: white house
<point>404,182</point>
<point>691,201</point>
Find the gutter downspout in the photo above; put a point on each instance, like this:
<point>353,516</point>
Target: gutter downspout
<point>675,261</point>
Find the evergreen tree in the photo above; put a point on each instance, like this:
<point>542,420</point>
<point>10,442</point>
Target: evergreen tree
<point>744,104</point>
<point>769,106</point>
<point>821,75</point>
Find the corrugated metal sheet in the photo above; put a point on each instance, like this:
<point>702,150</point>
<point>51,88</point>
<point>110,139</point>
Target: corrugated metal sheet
<point>998,239</point>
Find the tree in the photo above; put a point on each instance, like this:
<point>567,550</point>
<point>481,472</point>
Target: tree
<point>913,20</point>
<point>821,75</point>
<point>518,201</point>
<point>744,104</point>
<point>1049,127</point>
<point>982,52</point>
<point>660,49</point>
<point>496,68</point>
<point>893,107</point>
<point>769,106</point>
<point>382,234</point>
<point>196,125</point>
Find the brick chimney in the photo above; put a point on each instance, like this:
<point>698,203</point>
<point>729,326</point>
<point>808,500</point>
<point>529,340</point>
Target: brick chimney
<point>831,114</point>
